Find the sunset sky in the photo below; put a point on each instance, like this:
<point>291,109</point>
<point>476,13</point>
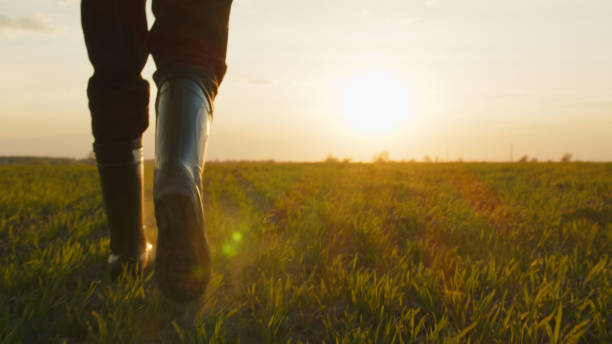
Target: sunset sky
<point>446,78</point>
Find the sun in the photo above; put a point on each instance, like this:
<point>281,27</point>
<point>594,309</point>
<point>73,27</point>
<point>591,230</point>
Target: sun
<point>375,103</point>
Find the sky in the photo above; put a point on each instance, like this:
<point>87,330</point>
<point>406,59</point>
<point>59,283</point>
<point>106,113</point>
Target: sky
<point>451,79</point>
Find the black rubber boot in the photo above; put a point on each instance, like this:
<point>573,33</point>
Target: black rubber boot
<point>184,115</point>
<point>120,167</point>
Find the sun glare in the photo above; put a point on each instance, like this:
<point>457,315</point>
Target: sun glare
<point>375,103</point>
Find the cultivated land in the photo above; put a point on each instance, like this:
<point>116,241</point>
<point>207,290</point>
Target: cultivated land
<point>340,253</point>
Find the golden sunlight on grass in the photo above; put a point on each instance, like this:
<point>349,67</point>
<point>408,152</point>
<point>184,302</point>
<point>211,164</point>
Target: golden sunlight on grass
<point>325,252</point>
<point>375,103</point>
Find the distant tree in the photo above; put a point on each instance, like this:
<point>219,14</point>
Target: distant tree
<point>382,157</point>
<point>534,159</point>
<point>524,158</point>
<point>331,159</point>
<point>567,157</point>
<point>427,158</point>
<point>347,160</point>
<point>91,156</point>
<point>459,159</point>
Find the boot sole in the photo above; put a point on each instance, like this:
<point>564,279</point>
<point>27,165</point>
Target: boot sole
<point>182,261</point>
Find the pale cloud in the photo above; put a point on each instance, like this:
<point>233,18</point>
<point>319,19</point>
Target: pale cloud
<point>34,22</point>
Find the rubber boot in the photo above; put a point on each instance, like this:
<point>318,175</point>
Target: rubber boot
<point>184,115</point>
<point>120,168</point>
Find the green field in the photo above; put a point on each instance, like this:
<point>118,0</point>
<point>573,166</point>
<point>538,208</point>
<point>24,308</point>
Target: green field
<point>326,252</point>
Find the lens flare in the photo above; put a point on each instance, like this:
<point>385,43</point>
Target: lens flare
<point>237,236</point>
<point>228,250</point>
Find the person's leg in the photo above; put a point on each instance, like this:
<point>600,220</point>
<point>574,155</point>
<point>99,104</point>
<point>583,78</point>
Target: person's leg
<point>190,37</point>
<point>115,34</point>
<point>188,42</point>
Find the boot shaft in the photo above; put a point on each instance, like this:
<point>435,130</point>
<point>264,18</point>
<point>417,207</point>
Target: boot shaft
<point>184,126</point>
<point>184,116</point>
<point>121,179</point>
